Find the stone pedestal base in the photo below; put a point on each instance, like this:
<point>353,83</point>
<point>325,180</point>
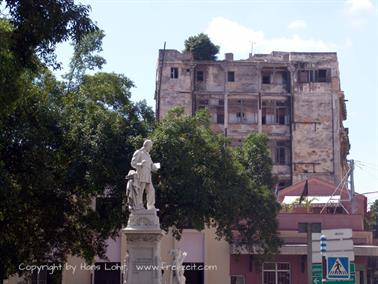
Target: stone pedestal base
<point>143,236</point>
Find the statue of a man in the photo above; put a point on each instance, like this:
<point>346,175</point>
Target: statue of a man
<point>143,164</point>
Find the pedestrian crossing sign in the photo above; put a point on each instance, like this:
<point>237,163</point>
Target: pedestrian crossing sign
<point>338,268</point>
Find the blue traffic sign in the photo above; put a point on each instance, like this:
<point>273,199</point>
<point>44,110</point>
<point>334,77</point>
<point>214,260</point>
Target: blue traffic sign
<point>338,268</point>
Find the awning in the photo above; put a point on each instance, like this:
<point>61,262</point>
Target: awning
<point>315,200</point>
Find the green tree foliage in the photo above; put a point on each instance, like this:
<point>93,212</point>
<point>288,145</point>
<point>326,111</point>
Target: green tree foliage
<point>39,25</point>
<point>59,149</point>
<point>255,157</point>
<point>31,29</point>
<point>85,57</point>
<point>12,77</point>
<point>201,47</point>
<point>371,220</point>
<point>202,183</point>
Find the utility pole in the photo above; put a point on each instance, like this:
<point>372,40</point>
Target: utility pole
<point>323,251</point>
<point>352,191</point>
<point>309,253</point>
<point>159,86</point>
<point>309,228</point>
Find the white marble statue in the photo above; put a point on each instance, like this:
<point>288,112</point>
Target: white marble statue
<point>177,266</point>
<point>140,180</point>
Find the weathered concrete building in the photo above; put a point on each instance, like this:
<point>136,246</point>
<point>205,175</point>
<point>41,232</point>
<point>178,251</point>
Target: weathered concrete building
<point>293,97</point>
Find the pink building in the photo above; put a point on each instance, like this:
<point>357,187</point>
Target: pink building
<point>290,266</point>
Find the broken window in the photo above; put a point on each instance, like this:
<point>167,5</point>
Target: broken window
<point>214,105</point>
<point>275,112</point>
<point>231,76</point>
<point>242,111</point>
<point>174,72</point>
<point>317,76</point>
<point>266,79</point>
<point>202,103</point>
<point>285,77</point>
<point>240,117</point>
<point>280,152</point>
<point>220,116</point>
<point>199,76</point>
<point>321,75</point>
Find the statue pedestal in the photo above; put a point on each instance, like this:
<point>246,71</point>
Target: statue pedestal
<point>143,236</point>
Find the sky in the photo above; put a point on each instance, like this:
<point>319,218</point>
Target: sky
<point>136,30</point>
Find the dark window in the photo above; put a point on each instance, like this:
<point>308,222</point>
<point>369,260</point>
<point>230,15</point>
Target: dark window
<point>194,273</point>
<point>281,153</point>
<point>45,276</point>
<point>266,79</point>
<point>108,273</point>
<point>231,76</point>
<point>322,75</point>
<point>237,279</point>
<point>275,112</point>
<point>220,118</point>
<point>203,102</point>
<point>174,73</point>
<point>199,76</point>
<point>285,77</point>
<point>280,156</point>
<point>240,116</point>
<point>242,111</point>
<point>282,115</point>
<point>318,76</point>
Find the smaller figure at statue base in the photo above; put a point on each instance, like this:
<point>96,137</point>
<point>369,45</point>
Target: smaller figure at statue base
<point>177,274</point>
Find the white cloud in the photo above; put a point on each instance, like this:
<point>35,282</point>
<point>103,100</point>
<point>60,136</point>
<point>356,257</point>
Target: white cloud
<point>358,11</point>
<point>359,6</point>
<point>297,25</point>
<point>233,37</point>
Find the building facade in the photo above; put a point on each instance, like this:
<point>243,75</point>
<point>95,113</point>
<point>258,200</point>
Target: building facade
<point>294,98</point>
<point>329,209</point>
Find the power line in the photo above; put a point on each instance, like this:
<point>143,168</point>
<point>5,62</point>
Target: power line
<point>371,192</point>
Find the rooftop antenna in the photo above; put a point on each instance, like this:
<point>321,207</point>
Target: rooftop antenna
<point>252,44</point>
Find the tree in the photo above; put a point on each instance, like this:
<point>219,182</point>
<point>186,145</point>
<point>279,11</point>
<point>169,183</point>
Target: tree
<point>371,220</point>
<point>201,47</point>
<point>39,25</point>
<point>254,155</point>
<point>85,57</point>
<point>201,183</point>
<point>13,76</point>
<point>29,33</point>
<point>59,149</point>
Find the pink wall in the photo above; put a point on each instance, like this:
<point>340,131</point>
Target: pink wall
<point>240,265</point>
<point>289,221</point>
<point>193,244</point>
<point>113,250</point>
